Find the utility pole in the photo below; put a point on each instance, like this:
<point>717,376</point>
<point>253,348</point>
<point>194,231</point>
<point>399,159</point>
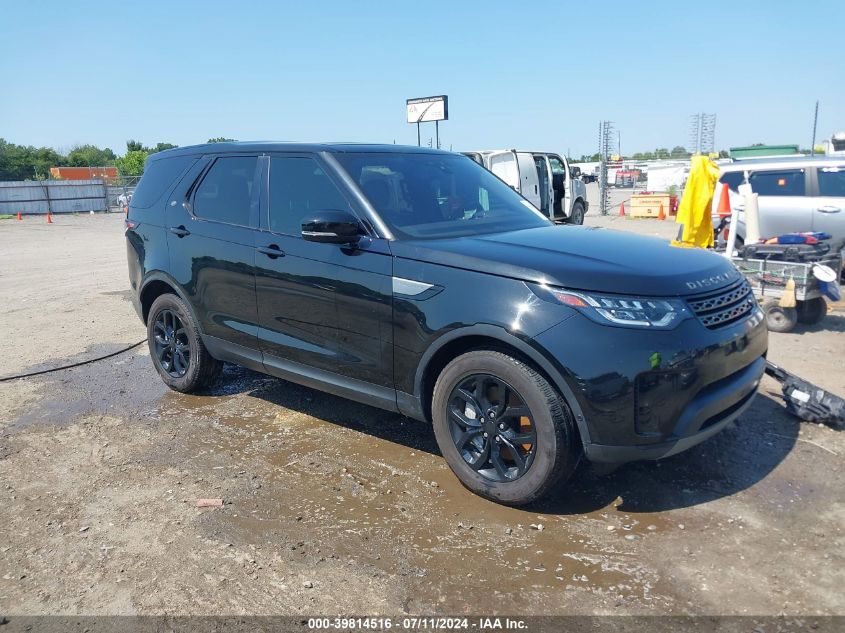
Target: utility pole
<point>815,122</point>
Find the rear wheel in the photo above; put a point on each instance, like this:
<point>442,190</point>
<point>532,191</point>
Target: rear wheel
<point>504,431</point>
<point>779,319</point>
<point>176,348</point>
<point>812,311</point>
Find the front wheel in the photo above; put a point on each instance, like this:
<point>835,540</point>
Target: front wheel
<point>176,348</point>
<point>576,216</point>
<point>502,428</point>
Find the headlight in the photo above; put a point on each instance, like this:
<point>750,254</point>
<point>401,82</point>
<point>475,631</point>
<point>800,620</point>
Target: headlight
<point>626,311</point>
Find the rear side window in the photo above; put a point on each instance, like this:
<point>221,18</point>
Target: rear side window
<point>784,182</point>
<point>299,186</point>
<point>733,178</point>
<point>158,176</point>
<point>225,194</point>
<point>832,181</point>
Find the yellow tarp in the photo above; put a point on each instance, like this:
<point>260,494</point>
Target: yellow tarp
<point>694,210</point>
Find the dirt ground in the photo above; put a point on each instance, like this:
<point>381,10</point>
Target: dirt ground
<point>335,507</point>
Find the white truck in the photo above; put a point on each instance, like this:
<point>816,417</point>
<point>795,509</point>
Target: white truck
<point>544,179</point>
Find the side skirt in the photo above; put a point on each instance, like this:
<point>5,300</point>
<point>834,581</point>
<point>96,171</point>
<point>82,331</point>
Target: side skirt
<point>330,382</point>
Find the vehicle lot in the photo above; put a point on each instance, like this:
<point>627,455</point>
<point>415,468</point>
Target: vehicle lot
<point>335,507</point>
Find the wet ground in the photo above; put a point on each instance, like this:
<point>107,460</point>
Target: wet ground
<point>335,507</point>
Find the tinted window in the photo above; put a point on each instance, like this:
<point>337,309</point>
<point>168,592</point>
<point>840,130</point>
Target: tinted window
<point>785,182</point>
<point>733,178</point>
<point>298,187</point>
<point>225,194</point>
<point>158,176</point>
<point>832,181</point>
<point>438,195</point>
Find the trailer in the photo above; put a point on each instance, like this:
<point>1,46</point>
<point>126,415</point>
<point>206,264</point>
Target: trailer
<point>772,282</point>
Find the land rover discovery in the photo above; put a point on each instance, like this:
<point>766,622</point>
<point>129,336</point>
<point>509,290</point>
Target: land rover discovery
<point>416,281</point>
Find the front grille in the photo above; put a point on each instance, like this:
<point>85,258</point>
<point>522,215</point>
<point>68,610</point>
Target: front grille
<point>723,307</point>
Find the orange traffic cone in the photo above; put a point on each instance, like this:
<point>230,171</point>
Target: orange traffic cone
<point>49,218</point>
<point>19,216</point>
<point>661,215</point>
<point>622,210</point>
<point>725,201</point>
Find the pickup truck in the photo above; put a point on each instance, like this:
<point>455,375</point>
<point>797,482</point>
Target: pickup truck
<point>544,179</point>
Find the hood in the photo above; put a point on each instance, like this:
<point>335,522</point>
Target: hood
<point>581,258</point>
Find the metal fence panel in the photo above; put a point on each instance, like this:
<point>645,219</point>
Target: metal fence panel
<point>58,196</point>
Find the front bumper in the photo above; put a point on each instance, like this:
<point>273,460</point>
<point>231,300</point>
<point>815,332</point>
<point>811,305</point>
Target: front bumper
<point>708,415</point>
<point>649,394</point>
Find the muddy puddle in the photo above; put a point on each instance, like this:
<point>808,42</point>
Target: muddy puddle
<point>330,480</point>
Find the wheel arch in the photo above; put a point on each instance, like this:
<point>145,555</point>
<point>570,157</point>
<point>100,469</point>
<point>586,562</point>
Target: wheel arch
<point>159,283</point>
<point>451,345</point>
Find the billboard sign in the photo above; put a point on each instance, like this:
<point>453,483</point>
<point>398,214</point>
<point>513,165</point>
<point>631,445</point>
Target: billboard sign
<point>427,109</point>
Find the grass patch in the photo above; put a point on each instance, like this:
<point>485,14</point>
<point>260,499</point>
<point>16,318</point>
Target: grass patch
<point>6,216</point>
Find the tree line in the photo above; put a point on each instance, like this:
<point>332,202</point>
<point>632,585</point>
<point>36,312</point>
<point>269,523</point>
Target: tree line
<point>25,162</point>
<point>661,153</point>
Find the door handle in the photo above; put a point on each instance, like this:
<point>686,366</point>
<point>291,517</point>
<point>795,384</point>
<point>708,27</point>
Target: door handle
<point>271,251</point>
<point>179,231</point>
<point>829,209</point>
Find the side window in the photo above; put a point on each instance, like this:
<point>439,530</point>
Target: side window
<point>299,186</point>
<point>832,181</point>
<point>733,178</point>
<point>158,176</point>
<point>225,194</point>
<point>785,182</point>
<point>557,165</point>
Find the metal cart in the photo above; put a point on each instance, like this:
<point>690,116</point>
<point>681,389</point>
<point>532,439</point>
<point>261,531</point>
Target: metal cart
<point>768,279</point>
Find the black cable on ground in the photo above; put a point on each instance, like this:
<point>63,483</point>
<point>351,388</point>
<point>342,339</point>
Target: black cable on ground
<point>79,364</point>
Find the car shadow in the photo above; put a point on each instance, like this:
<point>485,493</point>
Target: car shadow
<point>731,461</point>
<point>832,322</point>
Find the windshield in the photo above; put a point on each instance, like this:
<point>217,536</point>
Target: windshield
<point>428,196</point>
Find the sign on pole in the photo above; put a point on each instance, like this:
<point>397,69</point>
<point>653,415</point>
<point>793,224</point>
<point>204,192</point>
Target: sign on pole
<point>427,109</point>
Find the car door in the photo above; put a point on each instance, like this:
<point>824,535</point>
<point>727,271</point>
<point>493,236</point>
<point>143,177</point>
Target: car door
<point>529,181</point>
<point>829,204</point>
<point>544,179</point>
<point>210,222</point>
<point>504,165</point>
<point>564,183</point>
<point>782,201</point>
<point>323,307</point>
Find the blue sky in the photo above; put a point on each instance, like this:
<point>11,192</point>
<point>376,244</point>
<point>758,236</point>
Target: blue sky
<point>538,75</point>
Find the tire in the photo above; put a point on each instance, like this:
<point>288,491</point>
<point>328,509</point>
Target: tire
<point>576,216</point>
<point>173,338</point>
<point>779,319</point>
<point>546,439</point>
<point>812,311</point>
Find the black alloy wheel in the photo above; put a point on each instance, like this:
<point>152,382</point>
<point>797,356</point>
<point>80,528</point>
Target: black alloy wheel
<point>492,427</point>
<point>172,346</point>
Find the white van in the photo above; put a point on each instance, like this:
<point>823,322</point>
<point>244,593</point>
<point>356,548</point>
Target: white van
<point>544,179</point>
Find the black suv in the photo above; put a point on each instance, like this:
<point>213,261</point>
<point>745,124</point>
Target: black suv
<point>416,281</point>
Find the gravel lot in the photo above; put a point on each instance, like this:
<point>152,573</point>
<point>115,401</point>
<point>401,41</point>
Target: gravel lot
<point>335,507</point>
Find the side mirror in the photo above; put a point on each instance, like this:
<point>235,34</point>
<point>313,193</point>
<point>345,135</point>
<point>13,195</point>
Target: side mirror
<point>331,227</point>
